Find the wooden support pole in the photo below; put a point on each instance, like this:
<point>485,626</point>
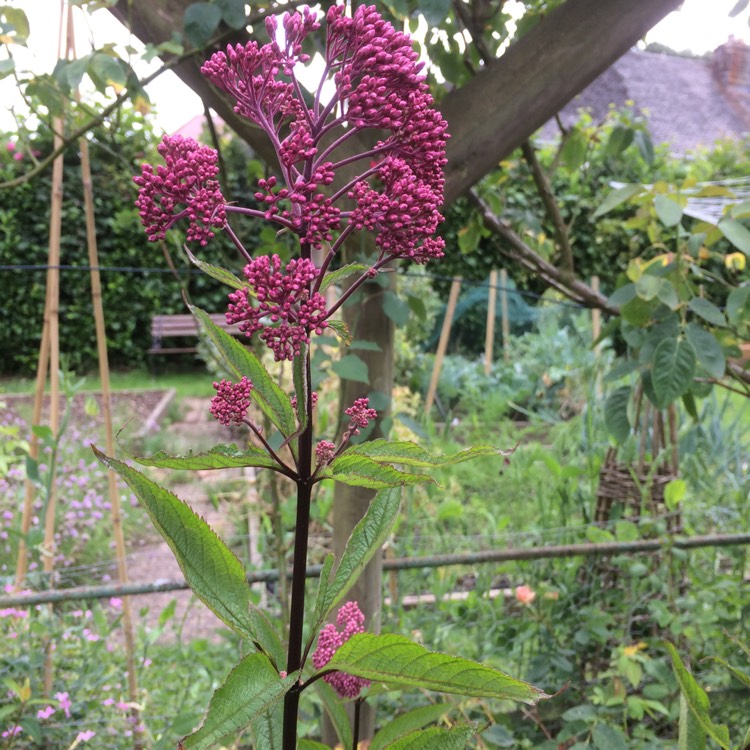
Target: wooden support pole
<point>504,313</point>
<point>442,343</point>
<point>489,341</point>
<point>596,331</point>
<point>114,495</point>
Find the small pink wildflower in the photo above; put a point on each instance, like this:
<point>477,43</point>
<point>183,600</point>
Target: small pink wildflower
<point>349,622</point>
<point>525,594</point>
<point>360,414</point>
<point>85,736</point>
<point>13,731</point>
<point>115,602</point>
<point>231,402</point>
<point>18,156</point>
<point>45,713</point>
<point>65,703</point>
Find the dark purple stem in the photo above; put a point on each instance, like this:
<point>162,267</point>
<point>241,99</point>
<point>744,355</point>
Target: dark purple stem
<point>283,467</point>
<point>299,568</point>
<point>358,283</point>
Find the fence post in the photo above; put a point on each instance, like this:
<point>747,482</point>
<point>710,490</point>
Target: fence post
<point>489,341</point>
<point>504,312</point>
<point>442,343</point>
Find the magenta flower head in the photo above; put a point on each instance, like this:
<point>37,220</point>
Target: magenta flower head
<point>361,415</point>
<point>185,188</point>
<point>349,622</point>
<point>285,311</point>
<point>231,402</point>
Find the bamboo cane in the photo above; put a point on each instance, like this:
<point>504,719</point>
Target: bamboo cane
<point>504,313</point>
<point>114,496</point>
<point>489,341</point>
<point>442,343</point>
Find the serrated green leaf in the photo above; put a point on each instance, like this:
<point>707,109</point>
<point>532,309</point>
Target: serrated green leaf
<point>201,21</point>
<point>672,370</point>
<point>397,660</point>
<point>616,414</point>
<point>697,700</point>
<point>738,234</point>
<point>336,711</point>
<point>308,745</point>
<point>360,471</point>
<point>708,350</point>
<point>218,457</point>
<point>668,210</point>
<point>408,722</point>
<point>615,198</point>
<point>273,402</point>
<point>267,728</point>
<point>708,311</point>
<point>337,276</point>
<point>220,274</point>
<point>212,571</point>
<point>410,454</point>
<point>324,584</point>
<point>738,674</point>
<point>435,738</point>
<point>367,537</point>
<point>299,369</point>
<point>252,689</point>
<point>351,367</point>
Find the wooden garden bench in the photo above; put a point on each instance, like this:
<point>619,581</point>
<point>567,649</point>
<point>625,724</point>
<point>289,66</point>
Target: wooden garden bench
<point>181,326</point>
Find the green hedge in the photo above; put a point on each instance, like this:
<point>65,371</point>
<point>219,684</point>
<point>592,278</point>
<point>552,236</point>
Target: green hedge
<point>130,298</point>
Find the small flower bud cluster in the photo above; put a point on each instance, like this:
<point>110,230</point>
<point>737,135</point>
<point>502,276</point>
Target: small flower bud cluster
<point>232,401</point>
<point>293,399</point>
<point>325,452</point>
<point>361,415</point>
<point>349,621</point>
<point>286,312</point>
<point>187,180</point>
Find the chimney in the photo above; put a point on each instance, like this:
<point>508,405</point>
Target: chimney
<point>731,65</point>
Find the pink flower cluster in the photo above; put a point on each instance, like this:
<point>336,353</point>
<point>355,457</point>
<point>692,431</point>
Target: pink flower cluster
<point>286,311</point>
<point>231,402</point>
<point>349,622</point>
<point>361,415</point>
<point>325,452</point>
<point>185,188</point>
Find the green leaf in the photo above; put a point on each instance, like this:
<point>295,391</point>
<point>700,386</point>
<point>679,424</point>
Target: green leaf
<point>574,149</point>
<point>738,674</point>
<point>273,402</point>
<point>615,198</point>
<point>708,311</point>
<point>266,729</point>
<point>14,19</point>
<point>252,688</point>
<point>367,537</point>
<point>321,600</point>
<point>334,707</point>
<point>623,295</point>
<point>688,401</point>
<point>668,210</point>
<point>435,738</point>
<point>360,471</point>
<point>307,745</point>
<point>6,68</point>
<point>351,367</point>
<point>337,276</point>
<point>408,722</point>
<point>201,21</point>
<point>341,330</point>
<point>645,145</point>
<point>708,350</point>
<point>738,304</point>
<point>697,701</point>
<point>616,414</point>
<point>300,386</point>
<point>212,571</point>
<point>674,492</point>
<point>737,233</point>
<point>410,454</point>
<point>619,139</point>
<point>672,369</point>
<point>434,11</point>
<point>396,308</point>
<point>218,457</point>
<point>220,274</point>
<point>648,286</point>
<point>607,737</point>
<point>691,735</point>
<point>667,295</point>
<point>233,13</point>
<point>395,659</point>
<point>107,71</point>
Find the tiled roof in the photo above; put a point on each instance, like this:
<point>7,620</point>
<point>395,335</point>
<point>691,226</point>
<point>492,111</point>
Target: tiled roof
<point>684,99</point>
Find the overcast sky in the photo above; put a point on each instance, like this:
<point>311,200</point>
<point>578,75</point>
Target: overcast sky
<point>701,26</point>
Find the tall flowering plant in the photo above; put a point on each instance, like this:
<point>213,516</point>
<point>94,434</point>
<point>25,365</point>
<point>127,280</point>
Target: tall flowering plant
<point>324,192</point>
